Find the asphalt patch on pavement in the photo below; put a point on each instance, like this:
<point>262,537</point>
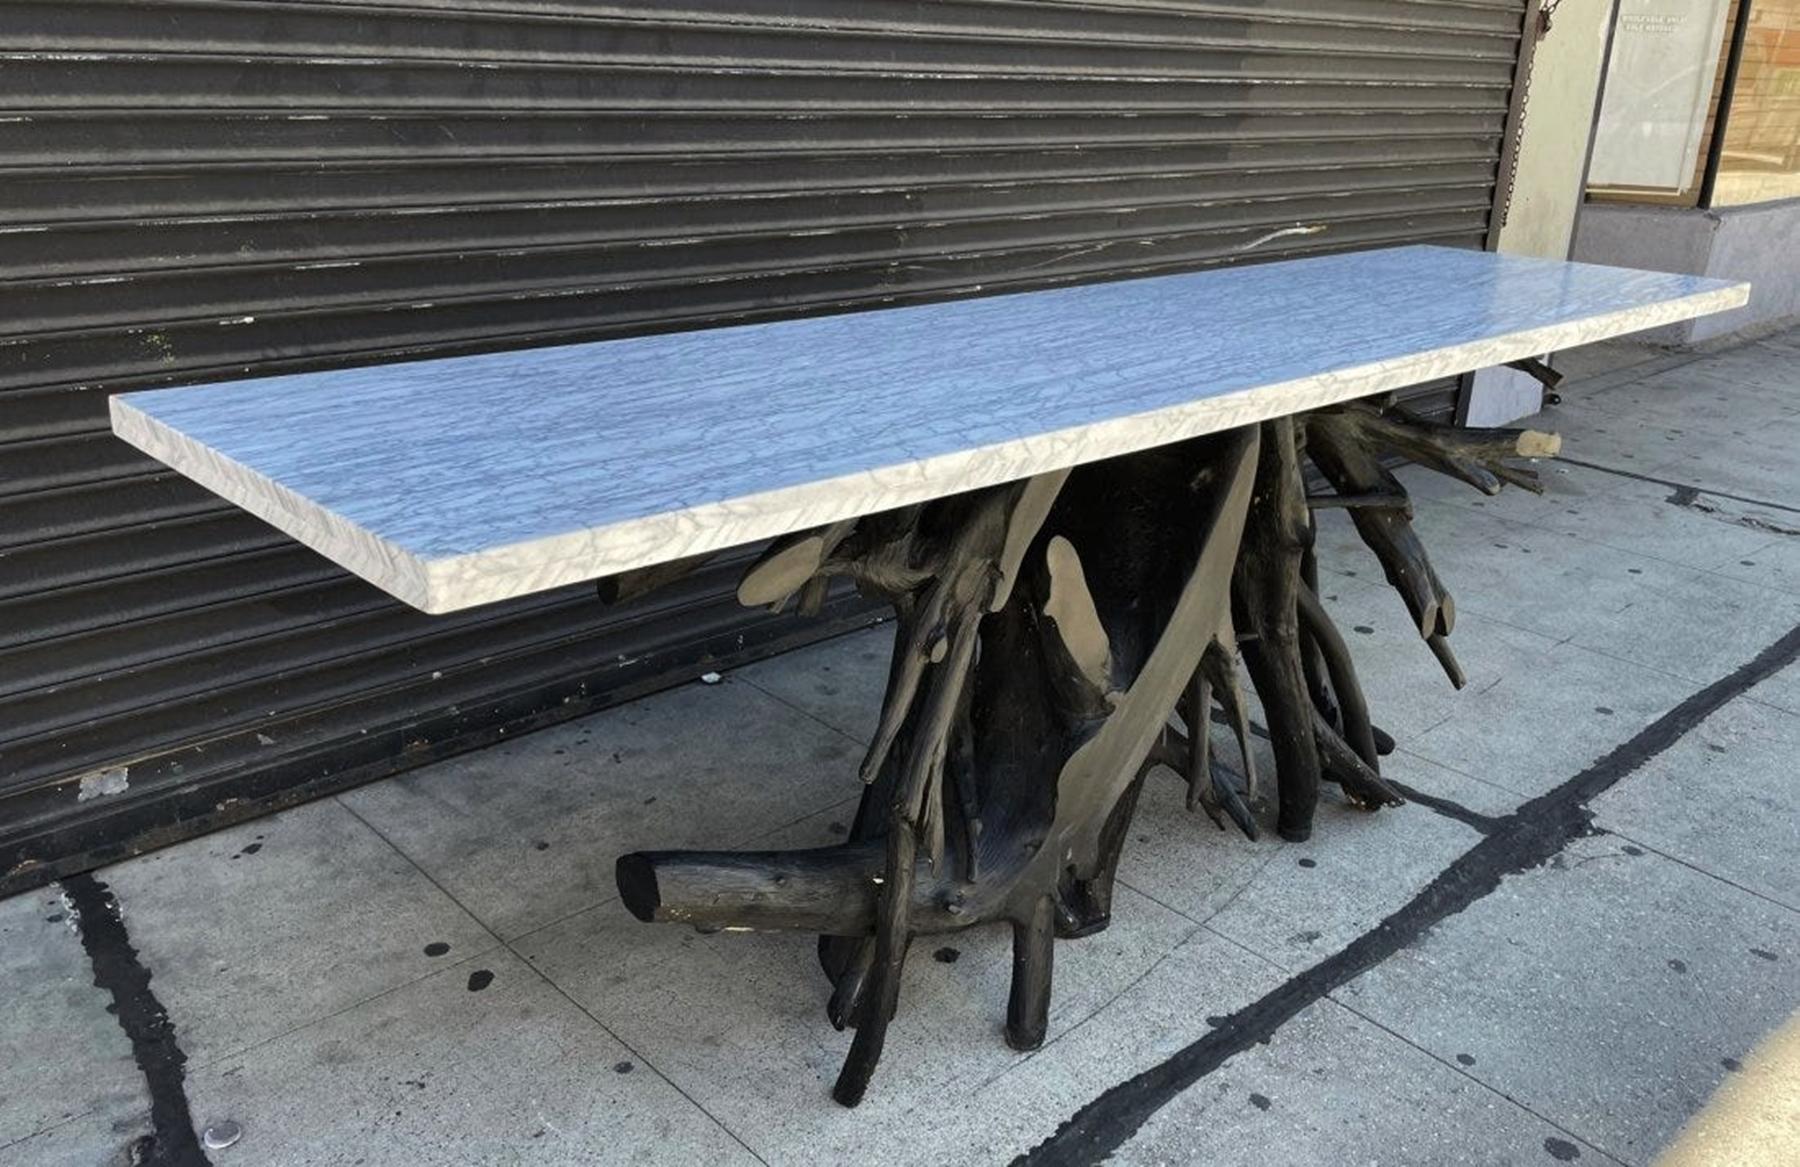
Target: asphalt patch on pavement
<point>117,969</point>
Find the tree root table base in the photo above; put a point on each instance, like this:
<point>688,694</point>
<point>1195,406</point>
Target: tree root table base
<point>1057,639</point>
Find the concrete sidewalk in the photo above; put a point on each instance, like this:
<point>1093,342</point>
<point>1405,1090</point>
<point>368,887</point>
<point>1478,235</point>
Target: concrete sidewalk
<point>435,969</point>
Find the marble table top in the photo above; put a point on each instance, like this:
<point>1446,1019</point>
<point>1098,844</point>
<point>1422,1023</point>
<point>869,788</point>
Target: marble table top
<point>461,481</point>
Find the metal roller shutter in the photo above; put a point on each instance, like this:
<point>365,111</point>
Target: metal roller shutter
<point>199,189</point>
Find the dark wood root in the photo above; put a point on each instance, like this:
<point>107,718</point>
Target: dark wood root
<point>1479,457</point>
<point>1361,783</point>
<point>1221,668</point>
<point>1340,671</point>
<point>1216,792</point>
<point>1265,595</point>
<point>1538,371</point>
<point>793,567</point>
<point>1439,645</point>
<point>849,978</point>
<point>1196,759</point>
<point>1347,443</point>
<point>1223,798</point>
<point>830,890</point>
<point>1045,633</point>
<point>1338,447</point>
<point>942,583</point>
<point>1187,751</point>
<point>1034,954</point>
<point>629,585</point>
<point>1311,656</point>
<point>893,934</point>
<point>1377,499</point>
<point>1212,787</point>
<point>1317,716</point>
<point>1084,906</point>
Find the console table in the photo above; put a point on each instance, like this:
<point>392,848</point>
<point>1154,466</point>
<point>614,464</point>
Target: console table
<point>1084,504</point>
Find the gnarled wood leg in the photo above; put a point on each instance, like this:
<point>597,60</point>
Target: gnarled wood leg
<point>1046,632</point>
<point>1048,635</point>
<point>1318,719</point>
<point>1347,444</point>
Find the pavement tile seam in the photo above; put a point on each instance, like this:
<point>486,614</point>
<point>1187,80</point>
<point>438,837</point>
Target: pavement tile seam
<point>1249,880</point>
<point>1697,869</point>
<point>1776,539</point>
<point>1418,745</point>
<point>1719,572</point>
<point>636,1054</point>
<point>1638,550</point>
<point>849,802</point>
<point>1652,477</point>
<point>1515,527</point>
<point>1783,538</point>
<point>1426,968</point>
<point>740,842</point>
<point>454,971</point>
<point>1601,481</point>
<point>804,712</point>
<point>202,1063</point>
<point>1774,542</point>
<point>513,941</point>
<point>1413,753</point>
<point>1122,882</point>
<point>1484,1086</point>
<point>1567,643</point>
<point>1477,821</point>
<point>57,1125</point>
<point>1752,490</point>
<point>1633,374</point>
<point>1461,1071</point>
<point>1247,950</point>
<point>417,866</point>
<point>1776,706</point>
<point>215,1060</point>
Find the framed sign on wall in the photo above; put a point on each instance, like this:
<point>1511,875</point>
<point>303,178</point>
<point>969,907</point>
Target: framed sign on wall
<point>1658,88</point>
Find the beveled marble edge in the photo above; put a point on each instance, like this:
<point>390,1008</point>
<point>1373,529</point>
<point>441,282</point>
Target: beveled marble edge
<point>498,573</point>
<point>392,569</point>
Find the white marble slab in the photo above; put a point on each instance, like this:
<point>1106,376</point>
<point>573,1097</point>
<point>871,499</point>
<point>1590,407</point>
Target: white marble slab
<point>462,481</point>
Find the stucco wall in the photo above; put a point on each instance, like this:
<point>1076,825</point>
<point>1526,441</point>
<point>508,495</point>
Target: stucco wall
<point>1760,244</point>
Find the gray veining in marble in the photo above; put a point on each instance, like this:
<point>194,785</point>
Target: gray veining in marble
<point>466,480</point>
